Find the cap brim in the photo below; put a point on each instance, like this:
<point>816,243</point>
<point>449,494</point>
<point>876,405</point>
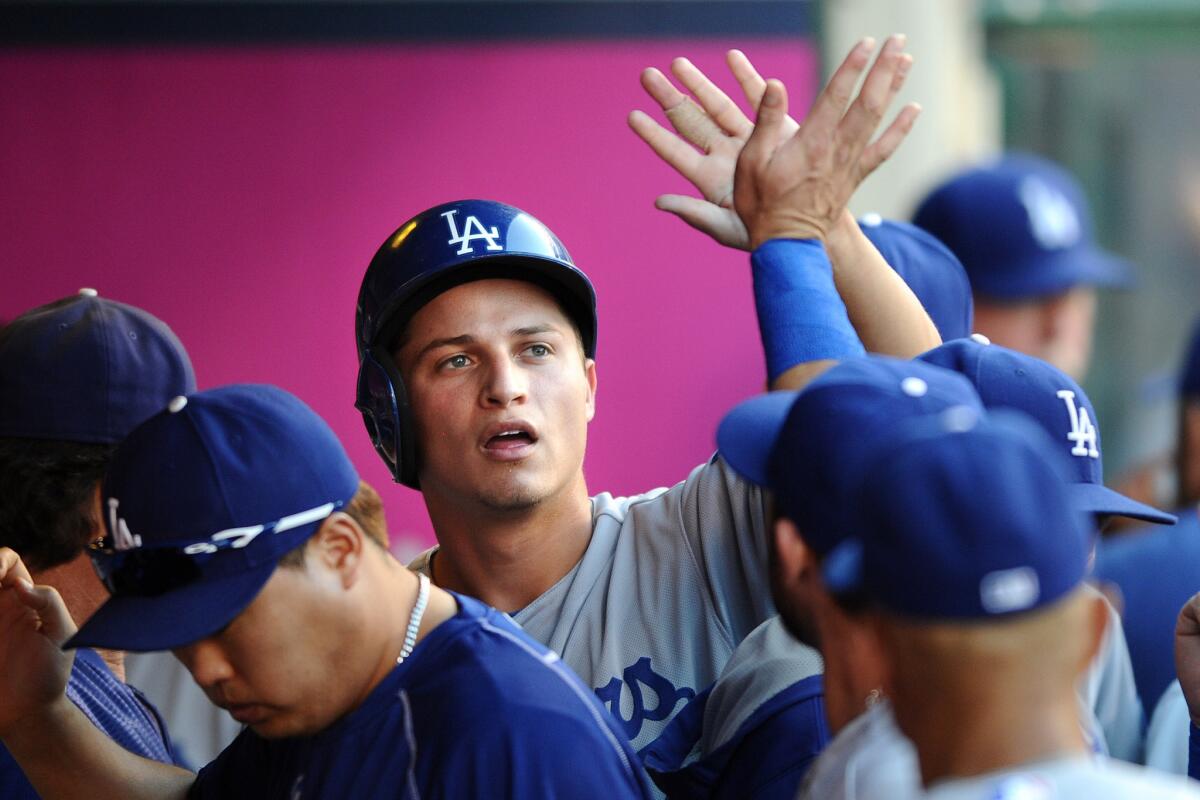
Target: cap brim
<point>1095,498</point>
<point>747,434</point>
<point>1058,273</point>
<point>173,619</point>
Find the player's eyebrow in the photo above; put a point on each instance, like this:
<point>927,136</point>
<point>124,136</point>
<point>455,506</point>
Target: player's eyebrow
<point>533,330</point>
<point>451,341</point>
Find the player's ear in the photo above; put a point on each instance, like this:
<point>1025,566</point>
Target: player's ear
<point>338,545</point>
<point>792,554</point>
<point>589,370</point>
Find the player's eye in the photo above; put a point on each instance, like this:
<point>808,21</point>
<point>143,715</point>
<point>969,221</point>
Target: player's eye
<point>456,361</point>
<point>538,350</point>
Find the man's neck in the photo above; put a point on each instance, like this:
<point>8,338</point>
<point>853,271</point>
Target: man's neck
<point>961,739</point>
<point>509,559</point>
<point>853,672</point>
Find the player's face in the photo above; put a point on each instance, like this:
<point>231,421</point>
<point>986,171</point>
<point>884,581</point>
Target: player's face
<point>1057,329</point>
<point>501,395</point>
<point>276,667</point>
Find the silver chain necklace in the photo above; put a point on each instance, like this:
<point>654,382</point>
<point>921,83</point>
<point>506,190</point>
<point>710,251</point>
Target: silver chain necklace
<point>414,619</point>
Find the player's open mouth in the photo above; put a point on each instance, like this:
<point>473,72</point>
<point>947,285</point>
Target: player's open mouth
<point>509,441</point>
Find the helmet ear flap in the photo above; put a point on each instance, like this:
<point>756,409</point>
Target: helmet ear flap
<point>383,403</point>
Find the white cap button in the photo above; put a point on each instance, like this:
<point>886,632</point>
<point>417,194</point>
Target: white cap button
<point>914,387</point>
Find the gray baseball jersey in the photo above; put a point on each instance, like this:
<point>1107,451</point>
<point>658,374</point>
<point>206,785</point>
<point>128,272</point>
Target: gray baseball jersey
<point>1075,778</point>
<point>1167,736</point>
<point>768,661</point>
<point>1110,693</point>
<point>670,583</point>
<point>869,758</point>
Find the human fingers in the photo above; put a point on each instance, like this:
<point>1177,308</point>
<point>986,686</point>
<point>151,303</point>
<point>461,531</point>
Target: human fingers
<point>660,89</point>
<point>753,85</point>
<point>831,103</point>
<point>878,90</point>
<point>45,601</point>
<point>715,102</point>
<point>669,147</point>
<point>722,224</point>
<point>687,118</point>
<point>882,148</point>
<point>769,132</point>
<point>12,569</point>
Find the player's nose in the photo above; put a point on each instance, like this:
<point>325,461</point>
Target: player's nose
<point>506,383</point>
<point>206,661</point>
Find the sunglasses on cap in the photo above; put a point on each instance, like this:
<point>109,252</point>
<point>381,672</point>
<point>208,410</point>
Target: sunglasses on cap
<point>148,570</point>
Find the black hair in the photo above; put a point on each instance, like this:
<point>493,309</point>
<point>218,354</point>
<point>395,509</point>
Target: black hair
<point>48,512</point>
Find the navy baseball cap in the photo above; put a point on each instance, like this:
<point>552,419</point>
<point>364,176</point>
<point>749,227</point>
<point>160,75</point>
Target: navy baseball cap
<point>87,369</point>
<point>953,520</point>
<point>929,268</point>
<point>1021,227</point>
<point>807,446</point>
<point>1008,379</point>
<point>200,503</point>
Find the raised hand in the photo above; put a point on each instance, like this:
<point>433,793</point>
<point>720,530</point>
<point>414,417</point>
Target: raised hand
<point>717,126</point>
<point>33,625</point>
<point>796,185</point>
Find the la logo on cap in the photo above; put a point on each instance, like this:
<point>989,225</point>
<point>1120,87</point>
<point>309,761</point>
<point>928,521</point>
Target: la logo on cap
<point>1083,432</point>
<point>1052,218</point>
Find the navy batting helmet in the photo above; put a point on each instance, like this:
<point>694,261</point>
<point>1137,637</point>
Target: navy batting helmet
<point>438,249</point>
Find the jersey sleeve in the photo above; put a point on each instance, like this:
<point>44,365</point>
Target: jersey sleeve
<point>723,521</point>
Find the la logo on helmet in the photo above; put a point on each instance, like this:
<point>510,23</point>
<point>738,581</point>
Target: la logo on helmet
<point>1083,432</point>
<point>472,229</point>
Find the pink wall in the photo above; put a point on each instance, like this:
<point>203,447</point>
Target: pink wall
<point>239,194</point>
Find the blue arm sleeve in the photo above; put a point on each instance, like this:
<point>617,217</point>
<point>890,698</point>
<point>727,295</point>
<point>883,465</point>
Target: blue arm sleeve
<point>801,316</point>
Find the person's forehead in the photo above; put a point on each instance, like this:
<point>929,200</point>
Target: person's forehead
<point>484,306</point>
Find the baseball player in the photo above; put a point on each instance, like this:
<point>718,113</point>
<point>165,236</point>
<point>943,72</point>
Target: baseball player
<point>759,727</point>
<point>477,338</point>
<point>823,431</point>
<point>1110,713</point>
<point>1021,227</point>
<point>78,375</point>
<point>1008,379</point>
<point>240,536</point>
<point>981,615</point>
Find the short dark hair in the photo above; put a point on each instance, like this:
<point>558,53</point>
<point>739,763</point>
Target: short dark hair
<point>48,512</point>
<point>365,508</point>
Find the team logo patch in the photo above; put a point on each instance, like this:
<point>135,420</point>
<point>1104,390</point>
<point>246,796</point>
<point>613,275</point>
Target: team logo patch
<point>472,229</point>
<point>122,538</point>
<point>642,684</point>
<point>1083,431</point>
<point>1052,218</point>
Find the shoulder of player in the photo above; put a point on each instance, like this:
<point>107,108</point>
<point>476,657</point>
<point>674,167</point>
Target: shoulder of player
<point>713,477</point>
<point>487,658</point>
